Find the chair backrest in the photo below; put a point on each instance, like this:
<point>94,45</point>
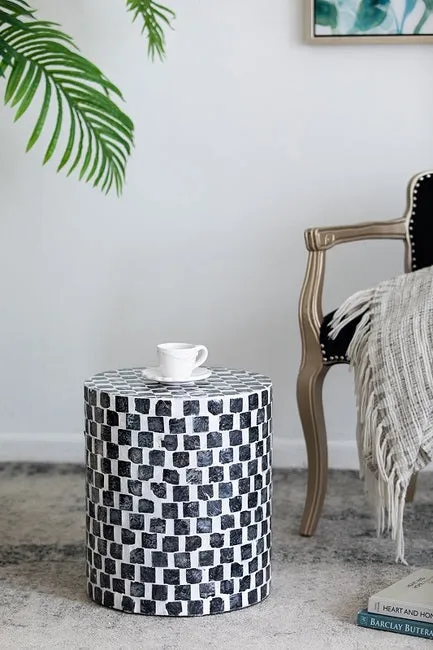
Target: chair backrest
<point>420,220</point>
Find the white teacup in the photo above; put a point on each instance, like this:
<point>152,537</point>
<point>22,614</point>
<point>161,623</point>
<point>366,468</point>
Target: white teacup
<point>178,360</point>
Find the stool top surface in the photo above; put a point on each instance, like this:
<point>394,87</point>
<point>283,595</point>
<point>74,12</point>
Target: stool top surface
<point>223,381</point>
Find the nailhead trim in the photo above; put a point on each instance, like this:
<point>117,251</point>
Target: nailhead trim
<point>413,215</point>
<point>326,360</point>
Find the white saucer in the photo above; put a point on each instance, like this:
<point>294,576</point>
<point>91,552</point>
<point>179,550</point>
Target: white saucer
<point>197,375</point>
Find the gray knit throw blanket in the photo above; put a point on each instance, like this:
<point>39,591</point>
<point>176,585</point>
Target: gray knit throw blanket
<point>391,354</point>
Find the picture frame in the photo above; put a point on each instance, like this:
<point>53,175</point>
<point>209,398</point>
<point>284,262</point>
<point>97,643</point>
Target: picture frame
<point>355,22</point>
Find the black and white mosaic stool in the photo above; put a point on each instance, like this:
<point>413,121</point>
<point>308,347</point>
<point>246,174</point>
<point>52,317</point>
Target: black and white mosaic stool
<point>178,492</point>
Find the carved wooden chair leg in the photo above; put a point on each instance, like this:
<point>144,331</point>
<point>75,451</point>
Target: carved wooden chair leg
<point>310,404</point>
<point>412,488</point>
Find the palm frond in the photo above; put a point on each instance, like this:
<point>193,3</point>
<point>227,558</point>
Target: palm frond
<point>37,56</point>
<point>155,19</point>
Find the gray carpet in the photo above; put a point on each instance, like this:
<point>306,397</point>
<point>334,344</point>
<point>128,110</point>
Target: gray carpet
<point>318,583</point>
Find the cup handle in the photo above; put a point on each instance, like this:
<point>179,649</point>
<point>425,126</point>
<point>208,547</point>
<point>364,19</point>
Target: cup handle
<point>201,357</point>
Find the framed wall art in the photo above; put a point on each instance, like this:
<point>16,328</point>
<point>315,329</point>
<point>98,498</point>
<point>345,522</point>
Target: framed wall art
<point>370,21</point>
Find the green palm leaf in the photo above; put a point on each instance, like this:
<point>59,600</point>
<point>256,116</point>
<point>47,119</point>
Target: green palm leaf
<point>155,18</point>
<point>37,55</point>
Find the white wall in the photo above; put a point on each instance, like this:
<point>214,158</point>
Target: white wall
<point>245,136</point>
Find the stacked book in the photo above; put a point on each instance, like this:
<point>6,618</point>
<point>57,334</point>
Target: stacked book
<point>405,607</point>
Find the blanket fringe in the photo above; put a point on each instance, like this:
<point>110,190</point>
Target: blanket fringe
<point>352,308</point>
<point>385,490</point>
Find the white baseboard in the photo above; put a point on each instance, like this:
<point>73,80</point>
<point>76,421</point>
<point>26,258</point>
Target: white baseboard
<point>343,454</point>
<point>69,448</point>
<point>42,447</point>
<point>292,453</point>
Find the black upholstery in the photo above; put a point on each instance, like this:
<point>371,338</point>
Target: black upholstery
<point>334,350</point>
<point>421,239</point>
<point>421,223</point>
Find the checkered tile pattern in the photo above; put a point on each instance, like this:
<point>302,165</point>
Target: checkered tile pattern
<point>178,492</point>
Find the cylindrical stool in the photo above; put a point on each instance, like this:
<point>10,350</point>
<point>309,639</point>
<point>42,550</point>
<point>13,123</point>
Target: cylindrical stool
<point>178,492</point>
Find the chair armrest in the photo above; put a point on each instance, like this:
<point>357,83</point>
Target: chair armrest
<point>321,239</point>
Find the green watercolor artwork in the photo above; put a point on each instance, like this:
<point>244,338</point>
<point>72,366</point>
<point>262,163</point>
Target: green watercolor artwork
<point>352,18</point>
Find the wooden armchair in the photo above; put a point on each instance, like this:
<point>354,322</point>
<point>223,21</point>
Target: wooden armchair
<point>319,351</point>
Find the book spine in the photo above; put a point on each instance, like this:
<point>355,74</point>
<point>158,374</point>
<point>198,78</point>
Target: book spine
<point>400,609</point>
<point>393,624</point>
